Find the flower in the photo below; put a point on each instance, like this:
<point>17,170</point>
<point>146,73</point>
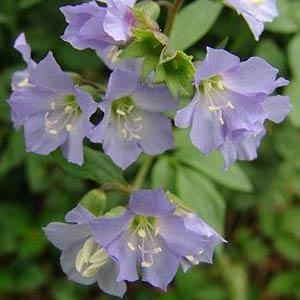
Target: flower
<point>132,120</point>
<point>231,104</point>
<point>53,111</point>
<point>82,259</point>
<point>255,12</point>
<point>148,238</point>
<point>96,27</point>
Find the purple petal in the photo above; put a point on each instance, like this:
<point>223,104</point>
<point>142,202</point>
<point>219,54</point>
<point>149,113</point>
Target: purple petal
<point>207,132</point>
<point>23,47</point>
<point>184,116</point>
<point>255,25</point>
<point>163,270</point>
<point>107,229</point>
<point>79,215</point>
<point>252,77</point>
<point>48,74</point>
<point>156,134</point>
<point>107,279</point>
<point>150,203</point>
<point>158,99</point>
<point>277,108</point>
<point>216,61</point>
<point>63,235</point>
<point>121,83</point>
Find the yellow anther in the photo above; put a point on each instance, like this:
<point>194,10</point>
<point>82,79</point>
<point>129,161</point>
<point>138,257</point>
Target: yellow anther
<point>53,105</point>
<point>130,246</point>
<point>53,131</point>
<point>69,127</point>
<point>68,109</point>
<point>120,112</point>
<point>23,83</point>
<point>257,2</point>
<point>142,233</point>
<point>146,264</point>
<point>156,250</point>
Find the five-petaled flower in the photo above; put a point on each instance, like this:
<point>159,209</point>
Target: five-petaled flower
<point>150,239</point>
<point>132,120</point>
<point>53,111</point>
<point>255,12</point>
<point>82,259</point>
<point>231,104</point>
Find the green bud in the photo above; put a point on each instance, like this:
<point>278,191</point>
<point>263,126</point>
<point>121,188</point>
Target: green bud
<point>116,211</point>
<point>150,8</point>
<point>95,202</point>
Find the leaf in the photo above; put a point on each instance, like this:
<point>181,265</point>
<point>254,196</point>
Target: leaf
<point>193,22</point>
<point>293,91</point>
<point>163,174</point>
<point>293,55</point>
<point>148,45</point>
<point>212,166</point>
<point>201,195</point>
<point>97,167</point>
<point>14,153</point>
<point>95,202</point>
<point>177,71</point>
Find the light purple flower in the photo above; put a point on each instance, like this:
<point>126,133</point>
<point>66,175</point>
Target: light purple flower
<point>97,27</point>
<point>82,259</point>
<point>53,111</point>
<point>255,12</point>
<point>148,238</point>
<point>132,120</point>
<point>229,105</point>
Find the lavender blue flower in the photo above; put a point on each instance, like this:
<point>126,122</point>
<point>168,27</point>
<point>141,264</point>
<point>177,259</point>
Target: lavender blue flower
<point>82,259</point>
<point>231,104</point>
<point>255,12</point>
<point>53,111</point>
<point>150,239</point>
<point>132,120</point>
<point>97,27</point>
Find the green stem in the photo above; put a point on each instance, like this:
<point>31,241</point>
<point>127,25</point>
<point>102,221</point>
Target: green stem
<point>116,186</point>
<point>171,16</point>
<point>142,173</point>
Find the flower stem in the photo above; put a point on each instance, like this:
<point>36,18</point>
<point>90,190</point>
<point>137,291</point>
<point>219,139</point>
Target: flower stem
<point>116,186</point>
<point>142,173</point>
<point>171,15</point>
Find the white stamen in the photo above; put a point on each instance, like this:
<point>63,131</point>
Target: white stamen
<point>156,231</point>
<point>138,119</point>
<point>120,112</point>
<point>220,85</point>
<point>146,264</point>
<point>130,246</point>
<point>23,83</point>
<point>53,105</point>
<point>68,109</point>
<point>69,127</point>
<point>201,251</point>
<point>53,131</point>
<point>156,250</point>
<point>192,259</point>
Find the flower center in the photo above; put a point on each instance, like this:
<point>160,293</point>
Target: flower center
<point>128,117</point>
<point>215,100</point>
<point>61,115</point>
<point>90,258</point>
<point>145,231</point>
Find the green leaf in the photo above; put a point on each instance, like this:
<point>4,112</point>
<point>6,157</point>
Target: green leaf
<point>147,44</point>
<point>14,153</point>
<point>293,91</point>
<point>177,71</point>
<point>193,22</point>
<point>293,55</point>
<point>163,174</point>
<point>201,195</point>
<point>97,167</point>
<point>212,166</point>
<point>285,22</point>
<point>95,202</point>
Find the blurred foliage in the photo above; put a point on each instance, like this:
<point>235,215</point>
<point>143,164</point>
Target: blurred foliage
<point>258,202</point>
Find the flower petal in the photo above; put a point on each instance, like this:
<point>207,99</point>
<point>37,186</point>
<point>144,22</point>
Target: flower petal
<point>277,108</point>
<point>79,215</point>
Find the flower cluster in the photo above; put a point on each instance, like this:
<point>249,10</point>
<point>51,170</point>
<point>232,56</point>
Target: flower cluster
<point>232,99</point>
<point>144,241</point>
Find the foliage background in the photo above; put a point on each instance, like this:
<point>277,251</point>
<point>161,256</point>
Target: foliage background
<point>255,204</point>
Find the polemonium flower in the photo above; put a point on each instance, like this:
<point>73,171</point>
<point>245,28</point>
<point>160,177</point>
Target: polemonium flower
<point>255,12</point>
<point>97,27</point>
<point>148,238</point>
<point>53,111</point>
<point>229,100</point>
<point>132,120</point>
<point>82,259</point>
